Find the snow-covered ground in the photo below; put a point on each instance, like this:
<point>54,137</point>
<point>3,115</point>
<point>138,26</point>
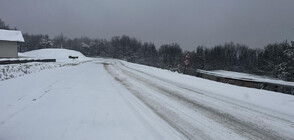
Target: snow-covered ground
<point>113,99</point>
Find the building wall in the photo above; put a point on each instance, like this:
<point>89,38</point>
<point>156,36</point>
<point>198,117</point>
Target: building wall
<point>8,49</point>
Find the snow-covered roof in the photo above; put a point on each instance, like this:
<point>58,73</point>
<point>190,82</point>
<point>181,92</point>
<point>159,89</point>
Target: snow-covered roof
<point>11,35</point>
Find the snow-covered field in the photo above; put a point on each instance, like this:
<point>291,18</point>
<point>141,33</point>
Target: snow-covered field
<point>113,99</point>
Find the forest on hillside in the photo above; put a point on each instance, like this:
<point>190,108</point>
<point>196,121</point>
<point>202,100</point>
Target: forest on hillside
<point>274,60</point>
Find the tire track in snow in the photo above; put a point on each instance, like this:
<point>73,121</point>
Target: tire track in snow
<point>245,129</point>
<point>205,94</point>
<point>271,117</point>
<point>39,94</point>
<point>185,128</point>
<point>43,92</point>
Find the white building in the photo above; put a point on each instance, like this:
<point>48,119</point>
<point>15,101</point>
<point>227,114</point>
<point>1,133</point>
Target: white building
<point>9,40</point>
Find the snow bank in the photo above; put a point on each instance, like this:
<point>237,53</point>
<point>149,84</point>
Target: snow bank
<point>17,70</point>
<point>61,55</point>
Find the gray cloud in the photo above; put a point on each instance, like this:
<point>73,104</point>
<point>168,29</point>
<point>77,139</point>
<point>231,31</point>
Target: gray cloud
<point>189,22</point>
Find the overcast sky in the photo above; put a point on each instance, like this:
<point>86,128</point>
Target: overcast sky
<point>187,22</point>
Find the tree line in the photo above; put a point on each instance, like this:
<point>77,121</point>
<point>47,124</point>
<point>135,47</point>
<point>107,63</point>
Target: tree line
<point>275,60</point>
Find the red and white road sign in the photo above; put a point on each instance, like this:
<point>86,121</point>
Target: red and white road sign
<point>187,62</point>
<point>188,56</point>
<point>187,59</point>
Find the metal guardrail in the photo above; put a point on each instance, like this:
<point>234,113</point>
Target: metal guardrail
<point>286,89</point>
<point>5,62</point>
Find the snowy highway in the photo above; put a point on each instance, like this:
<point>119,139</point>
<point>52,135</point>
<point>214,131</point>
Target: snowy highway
<point>113,99</point>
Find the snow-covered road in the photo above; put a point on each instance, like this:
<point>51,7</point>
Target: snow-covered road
<point>112,99</point>
<point>199,115</point>
<point>80,102</point>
